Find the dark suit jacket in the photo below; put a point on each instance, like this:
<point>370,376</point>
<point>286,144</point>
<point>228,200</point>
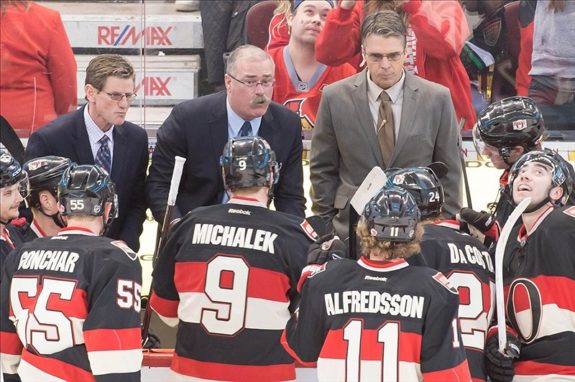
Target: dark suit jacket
<point>198,131</point>
<point>67,137</point>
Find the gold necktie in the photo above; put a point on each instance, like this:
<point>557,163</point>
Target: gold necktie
<point>385,128</point>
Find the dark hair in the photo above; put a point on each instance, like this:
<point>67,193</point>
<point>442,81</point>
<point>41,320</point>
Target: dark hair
<point>107,65</point>
<point>385,24</point>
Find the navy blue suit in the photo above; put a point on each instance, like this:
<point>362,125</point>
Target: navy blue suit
<point>198,131</point>
<point>66,136</point>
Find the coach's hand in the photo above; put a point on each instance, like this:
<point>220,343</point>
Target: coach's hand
<point>500,366</point>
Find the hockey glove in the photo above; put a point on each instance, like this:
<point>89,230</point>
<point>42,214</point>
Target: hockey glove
<point>327,250</point>
<point>483,222</point>
<point>500,366</point>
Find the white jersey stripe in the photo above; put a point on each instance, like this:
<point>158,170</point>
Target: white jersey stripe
<point>331,369</point>
<point>28,372</point>
<point>9,362</point>
<point>260,313</point>
<point>554,319</point>
<point>544,378</point>
<point>115,361</point>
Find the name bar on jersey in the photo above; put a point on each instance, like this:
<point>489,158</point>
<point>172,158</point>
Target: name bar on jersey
<point>374,302</point>
<point>59,261</point>
<point>471,255</point>
<point>230,236</point>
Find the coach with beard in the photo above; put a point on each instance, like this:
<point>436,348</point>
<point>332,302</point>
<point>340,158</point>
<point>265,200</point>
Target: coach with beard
<point>199,129</point>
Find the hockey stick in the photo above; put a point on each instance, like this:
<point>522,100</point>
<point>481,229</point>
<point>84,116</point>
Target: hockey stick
<point>464,169</point>
<point>499,252</point>
<point>172,195</point>
<point>11,141</point>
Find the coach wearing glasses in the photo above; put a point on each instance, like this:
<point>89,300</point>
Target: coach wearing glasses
<point>382,116</point>
<point>199,129</point>
<point>98,133</point>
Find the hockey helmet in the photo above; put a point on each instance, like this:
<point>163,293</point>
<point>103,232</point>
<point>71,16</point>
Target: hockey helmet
<point>561,171</point>
<point>12,173</point>
<point>392,215</point>
<point>248,162</point>
<point>510,122</point>
<point>85,190</point>
<point>44,174</point>
<point>423,185</point>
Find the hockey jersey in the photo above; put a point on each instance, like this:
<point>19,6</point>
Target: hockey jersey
<point>25,232</point>
<point>539,278</point>
<point>6,245</point>
<point>303,97</point>
<point>70,310</point>
<point>227,277</point>
<point>469,268</point>
<point>378,321</point>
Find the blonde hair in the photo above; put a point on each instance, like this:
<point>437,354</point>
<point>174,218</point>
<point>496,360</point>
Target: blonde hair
<point>387,250</point>
<point>283,8</point>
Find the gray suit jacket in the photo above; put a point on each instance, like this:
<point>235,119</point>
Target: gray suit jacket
<point>345,147</point>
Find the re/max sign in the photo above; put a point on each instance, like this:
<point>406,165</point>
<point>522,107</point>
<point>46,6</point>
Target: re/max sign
<point>130,35</point>
<point>154,86</point>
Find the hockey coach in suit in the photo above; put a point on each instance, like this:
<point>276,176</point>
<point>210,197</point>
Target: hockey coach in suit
<point>99,134</point>
<point>199,129</point>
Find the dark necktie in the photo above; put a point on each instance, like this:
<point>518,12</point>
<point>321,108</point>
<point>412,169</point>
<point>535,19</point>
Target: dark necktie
<point>103,157</point>
<point>385,128</point>
<point>246,129</point>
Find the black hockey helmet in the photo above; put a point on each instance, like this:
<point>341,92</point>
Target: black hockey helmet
<point>423,185</point>
<point>561,172</point>
<point>248,162</point>
<point>12,173</point>
<point>392,215</point>
<point>510,122</point>
<point>44,174</point>
<point>85,189</point>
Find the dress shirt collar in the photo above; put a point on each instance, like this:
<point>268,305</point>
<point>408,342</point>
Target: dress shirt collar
<point>235,122</point>
<point>94,132</point>
<point>394,92</point>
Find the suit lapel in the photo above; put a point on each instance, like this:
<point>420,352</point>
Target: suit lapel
<point>121,148</point>
<point>81,141</point>
<point>363,113</point>
<point>266,130</point>
<point>408,111</point>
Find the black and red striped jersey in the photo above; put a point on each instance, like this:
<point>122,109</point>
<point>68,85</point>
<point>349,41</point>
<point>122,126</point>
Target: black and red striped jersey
<point>539,278</point>
<point>227,276</point>
<point>378,321</point>
<point>468,266</point>
<point>70,310</point>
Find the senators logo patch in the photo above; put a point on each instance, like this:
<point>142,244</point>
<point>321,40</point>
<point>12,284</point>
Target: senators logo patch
<point>440,278</point>
<point>124,247</point>
<point>309,231</point>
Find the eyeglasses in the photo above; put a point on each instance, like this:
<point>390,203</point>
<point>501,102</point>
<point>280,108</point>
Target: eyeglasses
<point>378,57</point>
<point>253,84</point>
<point>119,96</point>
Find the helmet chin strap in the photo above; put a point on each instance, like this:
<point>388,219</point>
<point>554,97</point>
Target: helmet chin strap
<point>505,154</point>
<point>56,217</point>
<point>538,205</point>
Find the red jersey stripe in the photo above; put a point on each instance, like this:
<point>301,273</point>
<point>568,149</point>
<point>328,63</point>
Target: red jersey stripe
<point>10,343</point>
<point>164,307</point>
<point>112,339</point>
<point>223,372</point>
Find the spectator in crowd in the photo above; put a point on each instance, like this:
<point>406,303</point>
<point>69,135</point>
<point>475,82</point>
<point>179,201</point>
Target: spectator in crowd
<point>99,133</point>
<point>278,30</point>
<point>38,68</point>
<point>538,276</point>
<point>44,175</point>
<point>13,189</point>
<point>228,275</point>
<point>436,33</point>
<point>378,318</point>
<point>199,129</point>
<point>299,77</point>
<point>383,116</point>
<point>70,304</point>
<point>547,44</point>
<point>223,25</point>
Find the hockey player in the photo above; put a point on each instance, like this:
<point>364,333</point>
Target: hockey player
<point>72,301</point>
<point>378,318</point>
<point>228,274</point>
<point>461,258</point>
<point>539,275</point>
<point>13,188</point>
<point>44,174</point>
<point>504,131</point>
